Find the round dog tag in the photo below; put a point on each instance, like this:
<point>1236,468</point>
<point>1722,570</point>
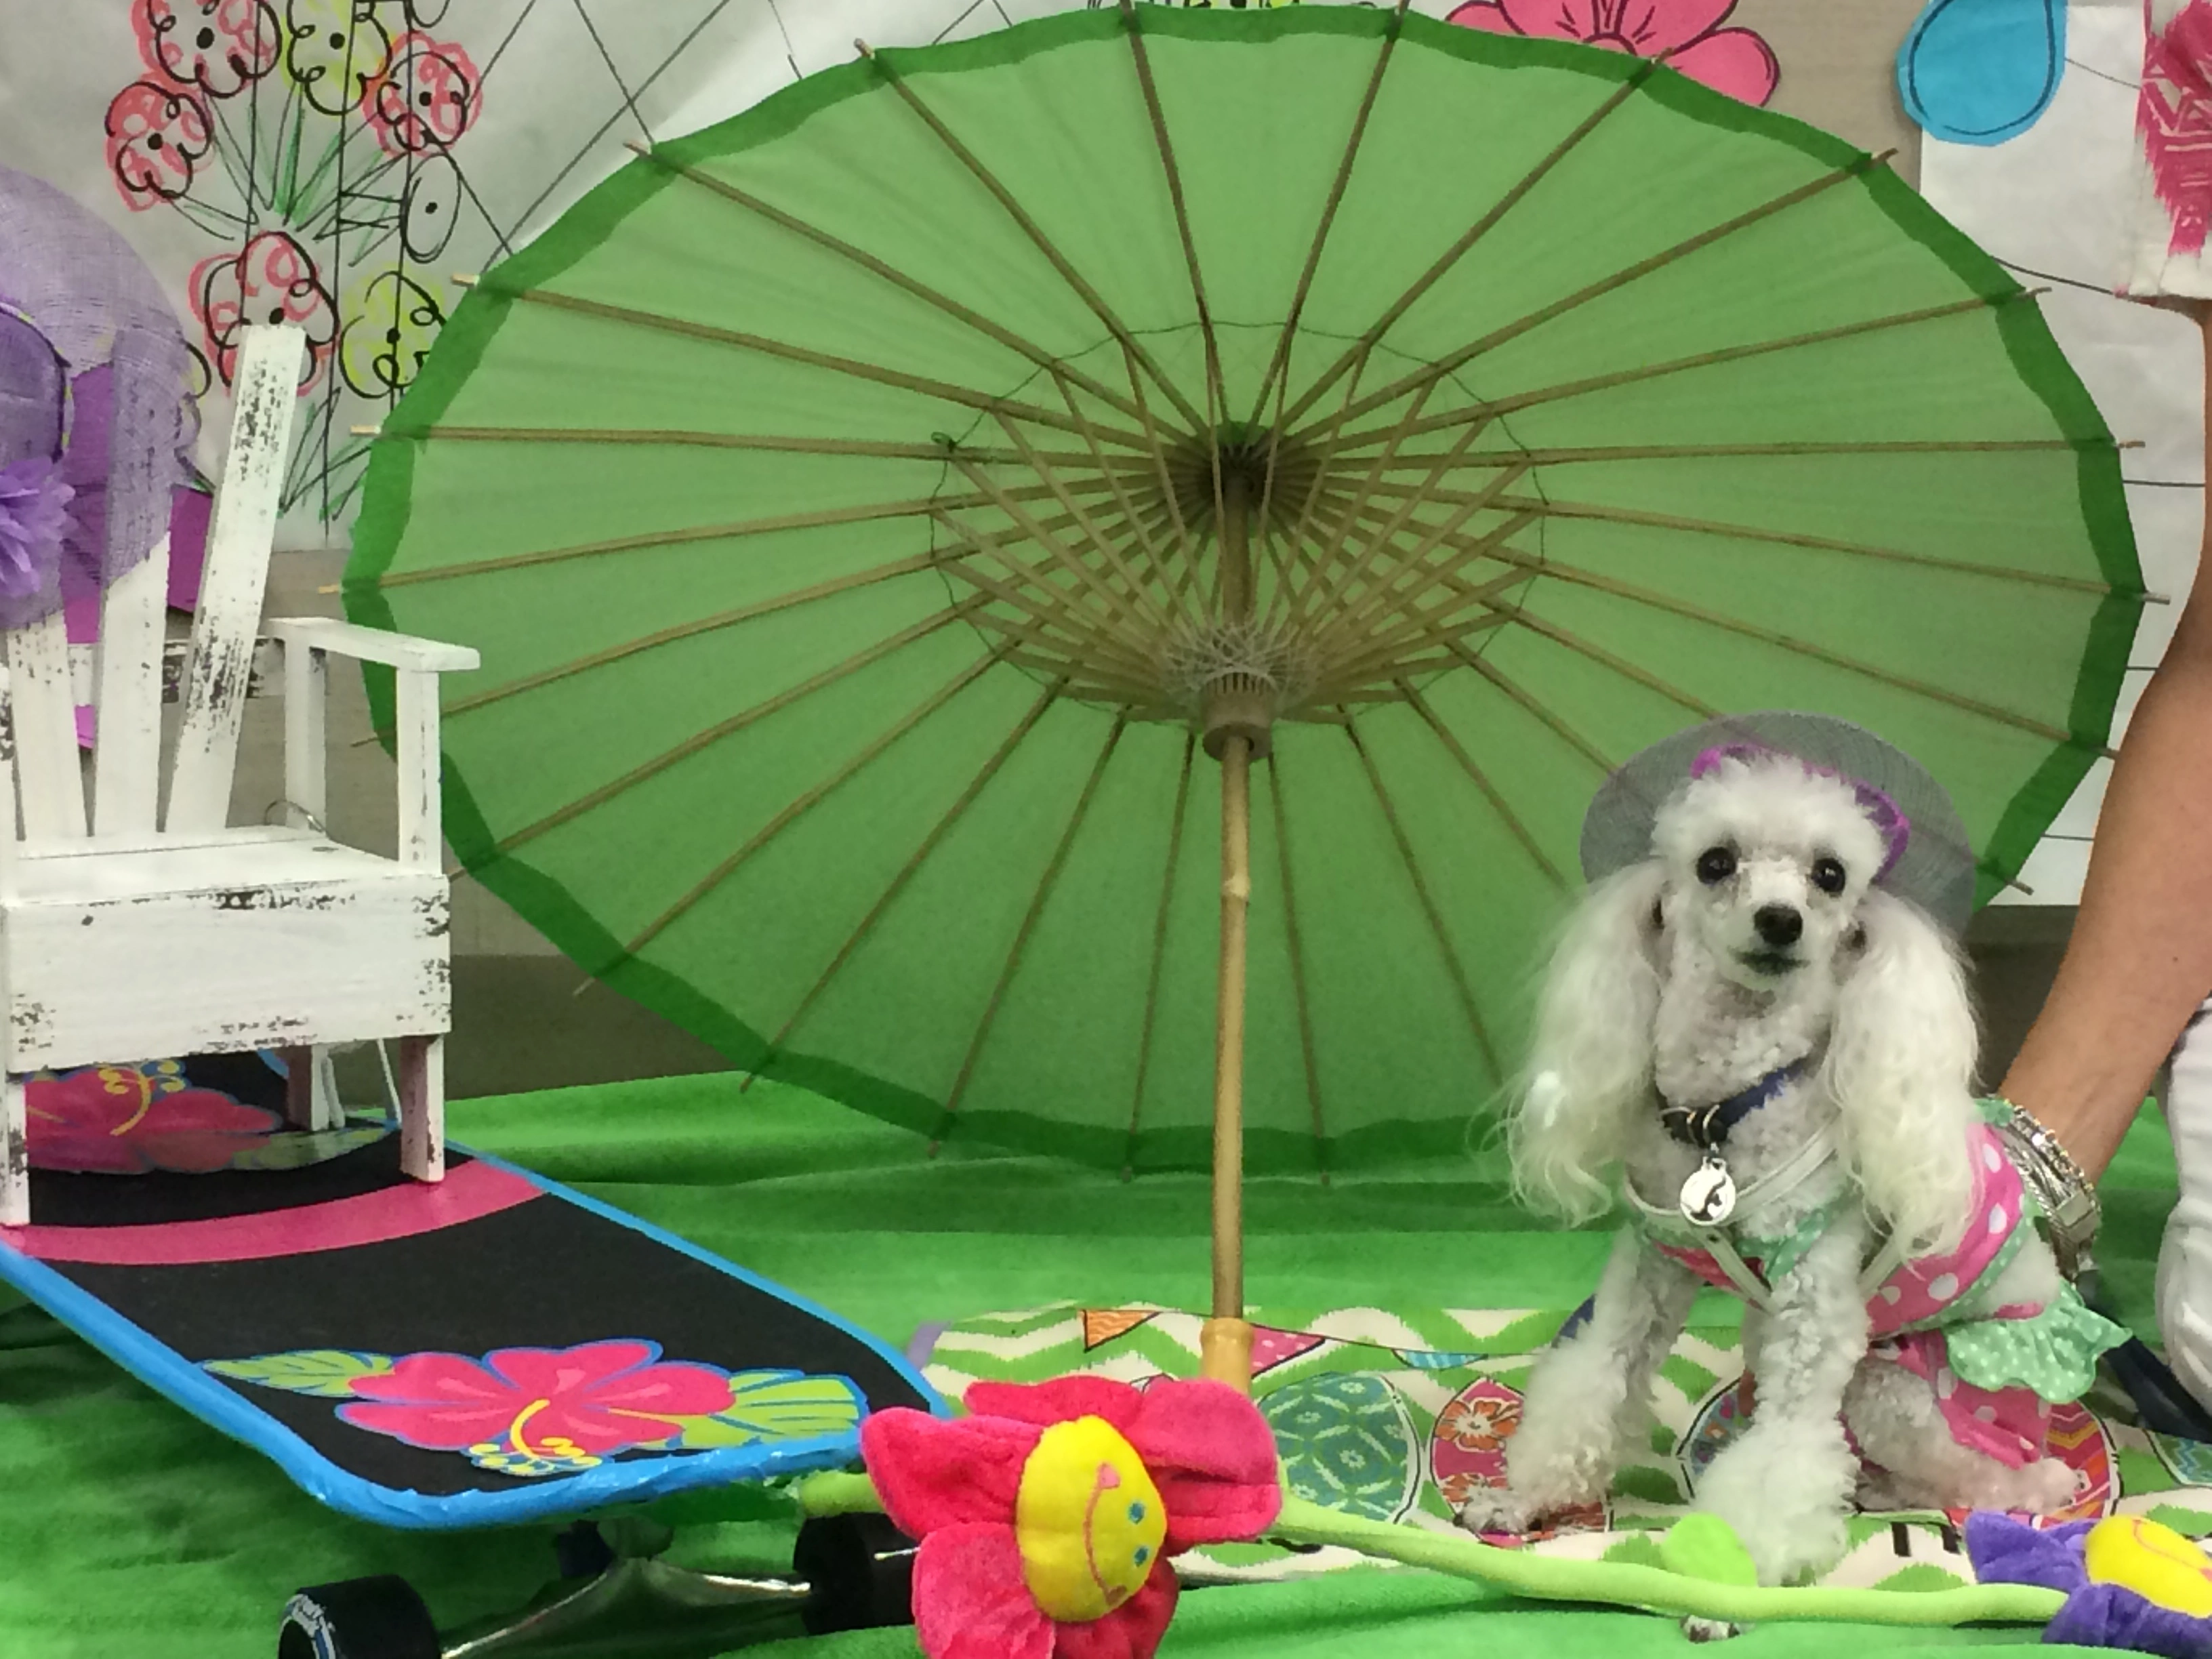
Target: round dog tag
<point>1709,1196</point>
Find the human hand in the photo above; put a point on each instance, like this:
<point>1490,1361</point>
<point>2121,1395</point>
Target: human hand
<point>2197,310</point>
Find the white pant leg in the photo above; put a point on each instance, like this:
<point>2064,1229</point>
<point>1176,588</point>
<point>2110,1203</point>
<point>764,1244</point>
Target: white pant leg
<point>2185,1255</point>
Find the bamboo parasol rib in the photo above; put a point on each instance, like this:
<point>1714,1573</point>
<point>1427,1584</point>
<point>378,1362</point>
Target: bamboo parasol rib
<point>1037,903</point>
<point>1367,528</point>
<point>937,831</point>
<point>1159,949</point>
<point>889,273</point>
<point>1090,296</point>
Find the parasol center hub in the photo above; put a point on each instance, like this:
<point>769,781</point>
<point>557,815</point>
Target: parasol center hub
<point>1239,705</point>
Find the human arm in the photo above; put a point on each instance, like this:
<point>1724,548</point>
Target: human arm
<point>2140,959</point>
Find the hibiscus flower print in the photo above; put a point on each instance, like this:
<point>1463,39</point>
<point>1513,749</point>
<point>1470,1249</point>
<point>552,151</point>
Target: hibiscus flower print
<point>1688,32</point>
<point>1478,1424</point>
<point>428,96</point>
<point>217,46</point>
<point>155,136</point>
<point>1456,1489</point>
<point>538,1411</point>
<point>273,279</point>
<point>129,1120</point>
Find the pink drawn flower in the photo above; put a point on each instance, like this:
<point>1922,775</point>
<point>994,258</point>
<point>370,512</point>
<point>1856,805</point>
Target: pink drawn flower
<point>576,1404</point>
<point>2173,112</point>
<point>217,46</point>
<point>1735,61</point>
<point>155,135</point>
<point>272,279</point>
<point>127,1119</point>
<point>428,95</point>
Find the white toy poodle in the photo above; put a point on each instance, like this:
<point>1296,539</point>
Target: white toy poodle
<point>1758,1037</point>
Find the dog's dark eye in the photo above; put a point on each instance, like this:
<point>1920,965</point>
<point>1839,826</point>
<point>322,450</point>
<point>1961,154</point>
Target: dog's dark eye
<point>1828,876</point>
<point>1716,864</point>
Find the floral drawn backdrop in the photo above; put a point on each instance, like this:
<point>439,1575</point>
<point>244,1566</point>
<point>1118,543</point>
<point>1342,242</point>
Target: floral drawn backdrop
<point>318,153</point>
<point>334,163</point>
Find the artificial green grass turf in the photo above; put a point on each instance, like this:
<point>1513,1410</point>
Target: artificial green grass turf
<point>127,1527</point>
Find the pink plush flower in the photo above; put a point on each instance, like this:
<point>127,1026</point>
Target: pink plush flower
<point>218,45</point>
<point>2173,112</point>
<point>1735,61</point>
<point>428,95</point>
<point>273,279</point>
<point>127,1119</point>
<point>580,1403</point>
<point>154,135</point>
<point>1047,1517</point>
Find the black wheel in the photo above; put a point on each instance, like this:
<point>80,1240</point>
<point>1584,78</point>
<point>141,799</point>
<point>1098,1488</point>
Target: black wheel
<point>860,1570</point>
<point>582,1552</point>
<point>360,1618</point>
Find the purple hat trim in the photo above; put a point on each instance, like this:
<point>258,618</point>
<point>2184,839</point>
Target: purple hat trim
<point>1884,813</point>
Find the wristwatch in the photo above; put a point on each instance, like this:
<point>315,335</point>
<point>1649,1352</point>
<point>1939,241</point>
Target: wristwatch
<point>2068,1197</point>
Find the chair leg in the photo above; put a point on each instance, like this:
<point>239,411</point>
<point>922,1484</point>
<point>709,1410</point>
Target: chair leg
<point>325,1112</point>
<point>422,1107</point>
<point>311,1095</point>
<point>299,1087</point>
<point>15,1155</point>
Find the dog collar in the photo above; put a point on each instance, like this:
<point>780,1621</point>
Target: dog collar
<point>1706,1127</point>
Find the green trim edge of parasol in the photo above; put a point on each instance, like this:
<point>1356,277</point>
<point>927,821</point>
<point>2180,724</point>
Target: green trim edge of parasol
<point>475,323</point>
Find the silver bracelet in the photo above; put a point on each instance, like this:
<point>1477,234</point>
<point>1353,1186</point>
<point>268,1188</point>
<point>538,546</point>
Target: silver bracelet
<point>2071,1212</point>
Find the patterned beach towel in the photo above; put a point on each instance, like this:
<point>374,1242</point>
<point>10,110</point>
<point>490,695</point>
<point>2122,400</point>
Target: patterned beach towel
<point>1395,1415</point>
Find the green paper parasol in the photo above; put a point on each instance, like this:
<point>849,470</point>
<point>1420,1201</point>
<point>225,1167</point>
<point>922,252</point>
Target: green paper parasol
<point>900,522</point>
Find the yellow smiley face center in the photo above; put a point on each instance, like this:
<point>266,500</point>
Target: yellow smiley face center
<point>1088,1521</point>
<point>2155,1562</point>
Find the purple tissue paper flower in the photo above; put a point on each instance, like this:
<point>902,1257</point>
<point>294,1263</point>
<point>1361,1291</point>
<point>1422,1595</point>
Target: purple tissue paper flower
<point>33,518</point>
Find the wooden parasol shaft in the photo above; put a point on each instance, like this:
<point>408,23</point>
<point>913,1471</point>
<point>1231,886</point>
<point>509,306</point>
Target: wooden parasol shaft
<point>1225,1338</point>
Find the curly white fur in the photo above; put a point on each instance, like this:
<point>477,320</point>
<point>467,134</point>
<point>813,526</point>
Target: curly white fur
<point>1752,939</point>
<point>1593,1044</point>
<point>1901,1059</point>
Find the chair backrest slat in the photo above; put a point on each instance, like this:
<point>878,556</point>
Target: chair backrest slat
<point>46,752</point>
<point>127,692</point>
<point>216,670</point>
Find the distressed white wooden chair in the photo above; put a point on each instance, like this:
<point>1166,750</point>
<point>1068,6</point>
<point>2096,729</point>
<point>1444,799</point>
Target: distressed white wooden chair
<point>123,938</point>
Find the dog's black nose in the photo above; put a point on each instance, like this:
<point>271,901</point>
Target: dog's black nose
<point>1778,924</point>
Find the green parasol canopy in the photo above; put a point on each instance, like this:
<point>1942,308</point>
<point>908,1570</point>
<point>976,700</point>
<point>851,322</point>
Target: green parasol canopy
<point>878,513</point>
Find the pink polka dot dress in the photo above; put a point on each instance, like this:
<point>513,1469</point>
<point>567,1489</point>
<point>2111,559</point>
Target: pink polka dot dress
<point>1996,1370</point>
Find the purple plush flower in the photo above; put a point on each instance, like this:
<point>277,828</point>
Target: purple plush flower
<point>33,518</point>
<point>2004,1551</point>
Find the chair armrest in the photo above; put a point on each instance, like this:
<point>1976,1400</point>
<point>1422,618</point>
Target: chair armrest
<point>373,645</point>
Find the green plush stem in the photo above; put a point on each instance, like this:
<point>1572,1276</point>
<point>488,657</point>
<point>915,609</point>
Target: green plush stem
<point>1553,1579</point>
<point>833,1491</point>
<point>1619,1583</point>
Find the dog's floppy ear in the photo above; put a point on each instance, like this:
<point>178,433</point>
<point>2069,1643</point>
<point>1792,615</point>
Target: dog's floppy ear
<point>1900,1064</point>
<point>1590,1067</point>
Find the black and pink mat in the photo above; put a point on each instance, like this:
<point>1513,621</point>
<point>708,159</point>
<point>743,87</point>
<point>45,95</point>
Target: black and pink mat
<point>492,1349</point>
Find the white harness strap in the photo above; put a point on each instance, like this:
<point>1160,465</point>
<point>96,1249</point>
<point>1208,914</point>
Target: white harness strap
<point>1887,1260</point>
<point>1791,1173</point>
<point>1749,1286</point>
<point>1787,1176</point>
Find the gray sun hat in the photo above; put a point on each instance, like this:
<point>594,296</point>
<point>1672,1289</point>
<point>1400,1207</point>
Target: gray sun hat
<point>1931,861</point>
